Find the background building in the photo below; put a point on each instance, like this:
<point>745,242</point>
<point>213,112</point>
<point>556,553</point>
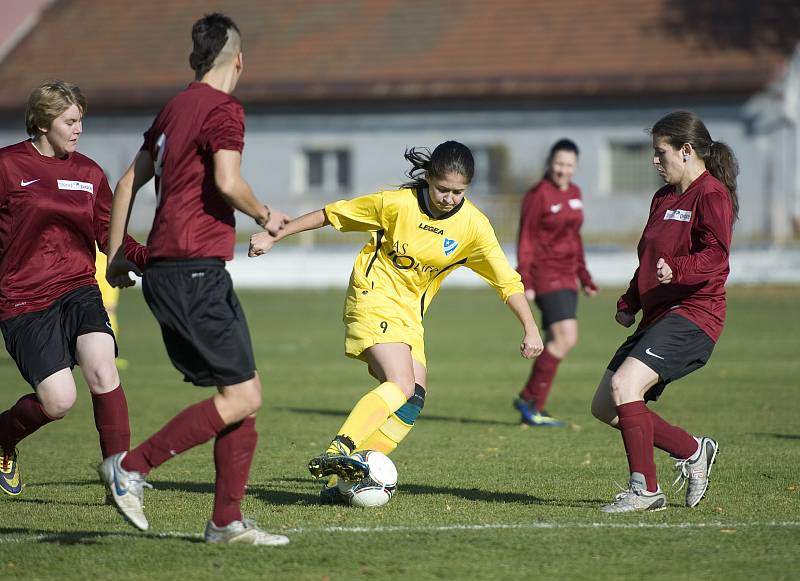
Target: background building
<point>335,91</point>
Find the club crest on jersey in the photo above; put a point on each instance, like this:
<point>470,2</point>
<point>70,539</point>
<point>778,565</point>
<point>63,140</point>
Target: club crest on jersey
<point>449,246</point>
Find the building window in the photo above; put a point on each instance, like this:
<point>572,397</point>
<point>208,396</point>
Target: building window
<point>490,169</point>
<point>632,171</point>
<point>327,171</point>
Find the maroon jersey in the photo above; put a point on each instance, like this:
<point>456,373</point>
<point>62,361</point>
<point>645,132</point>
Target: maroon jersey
<point>52,211</point>
<point>192,220</point>
<point>549,249</point>
<point>692,232</point>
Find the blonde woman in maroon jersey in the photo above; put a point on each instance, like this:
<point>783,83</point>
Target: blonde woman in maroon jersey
<point>680,288</point>
<point>551,262</point>
<point>54,207</point>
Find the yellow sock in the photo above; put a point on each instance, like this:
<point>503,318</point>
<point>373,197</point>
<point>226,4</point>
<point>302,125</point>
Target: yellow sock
<point>386,438</point>
<point>370,413</point>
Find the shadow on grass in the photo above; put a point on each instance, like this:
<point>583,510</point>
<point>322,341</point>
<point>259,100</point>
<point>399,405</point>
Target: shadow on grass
<point>268,494</point>
<point>482,495</point>
<point>58,502</point>
<point>778,436</point>
<point>79,482</point>
<point>85,537</point>
<point>475,494</point>
<point>423,417</point>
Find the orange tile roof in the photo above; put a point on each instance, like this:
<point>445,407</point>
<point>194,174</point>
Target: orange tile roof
<point>135,54</point>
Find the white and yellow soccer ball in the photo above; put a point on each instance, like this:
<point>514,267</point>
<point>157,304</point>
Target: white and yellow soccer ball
<point>378,487</point>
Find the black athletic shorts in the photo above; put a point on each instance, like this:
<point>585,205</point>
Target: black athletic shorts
<point>44,342</point>
<point>202,322</point>
<point>672,347</point>
<point>557,306</point>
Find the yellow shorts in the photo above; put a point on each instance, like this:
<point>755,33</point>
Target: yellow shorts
<point>369,321</point>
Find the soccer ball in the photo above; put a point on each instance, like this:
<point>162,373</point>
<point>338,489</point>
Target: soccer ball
<point>377,488</point>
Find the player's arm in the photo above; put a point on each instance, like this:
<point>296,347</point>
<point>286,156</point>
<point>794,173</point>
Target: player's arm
<point>526,240</point>
<point>713,228</point>
<point>531,345</point>
<point>361,214</point>
<point>237,192</point>
<point>138,174</point>
<point>490,263</point>
<point>629,303</point>
<point>262,242</point>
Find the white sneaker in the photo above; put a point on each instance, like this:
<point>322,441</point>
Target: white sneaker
<point>242,531</point>
<point>695,474</point>
<point>637,498</point>
<point>126,489</point>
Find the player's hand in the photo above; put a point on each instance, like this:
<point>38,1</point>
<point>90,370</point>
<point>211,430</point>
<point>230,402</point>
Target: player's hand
<point>590,289</point>
<point>530,294</point>
<point>663,271</point>
<point>260,243</point>
<point>117,272</point>
<point>625,318</point>
<point>277,220</point>
<point>531,345</point>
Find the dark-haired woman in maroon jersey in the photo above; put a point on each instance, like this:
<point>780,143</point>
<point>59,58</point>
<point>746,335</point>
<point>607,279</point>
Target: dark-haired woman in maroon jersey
<point>680,289</point>
<point>551,263</point>
<point>54,207</point>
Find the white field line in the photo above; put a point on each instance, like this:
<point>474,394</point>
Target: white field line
<point>54,537</point>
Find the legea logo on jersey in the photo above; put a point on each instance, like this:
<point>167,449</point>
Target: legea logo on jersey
<point>433,229</point>
<point>74,185</point>
<point>449,246</point>
<point>679,215</point>
<point>575,203</point>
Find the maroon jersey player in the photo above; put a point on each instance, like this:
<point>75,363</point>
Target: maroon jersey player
<point>54,207</point>
<point>551,262</point>
<point>680,288</point>
<point>194,149</point>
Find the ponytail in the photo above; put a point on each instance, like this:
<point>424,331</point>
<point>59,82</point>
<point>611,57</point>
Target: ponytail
<point>420,159</point>
<point>721,163</point>
<point>450,157</point>
<point>682,127</point>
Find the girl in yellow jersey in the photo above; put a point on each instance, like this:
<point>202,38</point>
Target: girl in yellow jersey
<point>420,234</point>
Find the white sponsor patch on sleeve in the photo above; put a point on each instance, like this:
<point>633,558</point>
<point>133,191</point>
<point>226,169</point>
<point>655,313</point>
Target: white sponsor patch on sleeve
<point>679,215</point>
<point>575,203</point>
<point>73,185</point>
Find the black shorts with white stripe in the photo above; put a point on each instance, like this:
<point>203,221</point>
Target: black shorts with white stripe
<point>673,347</point>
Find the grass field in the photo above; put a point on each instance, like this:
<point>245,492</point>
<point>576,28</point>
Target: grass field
<point>479,497</point>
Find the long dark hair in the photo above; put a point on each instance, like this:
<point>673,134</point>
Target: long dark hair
<point>209,35</point>
<point>685,127</point>
<point>448,157</point>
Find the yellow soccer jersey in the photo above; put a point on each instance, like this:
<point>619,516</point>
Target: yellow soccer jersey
<point>411,252</point>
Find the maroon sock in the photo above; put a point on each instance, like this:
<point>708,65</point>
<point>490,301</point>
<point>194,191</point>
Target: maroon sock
<point>233,453</point>
<point>21,420</point>
<point>195,425</point>
<point>672,439</point>
<point>636,425</point>
<point>541,379</point>
<point>111,421</point>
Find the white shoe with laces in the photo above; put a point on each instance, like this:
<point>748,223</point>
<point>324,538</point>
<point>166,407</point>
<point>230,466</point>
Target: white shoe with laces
<point>694,474</point>
<point>244,532</point>
<point>636,498</point>
<point>126,489</point>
